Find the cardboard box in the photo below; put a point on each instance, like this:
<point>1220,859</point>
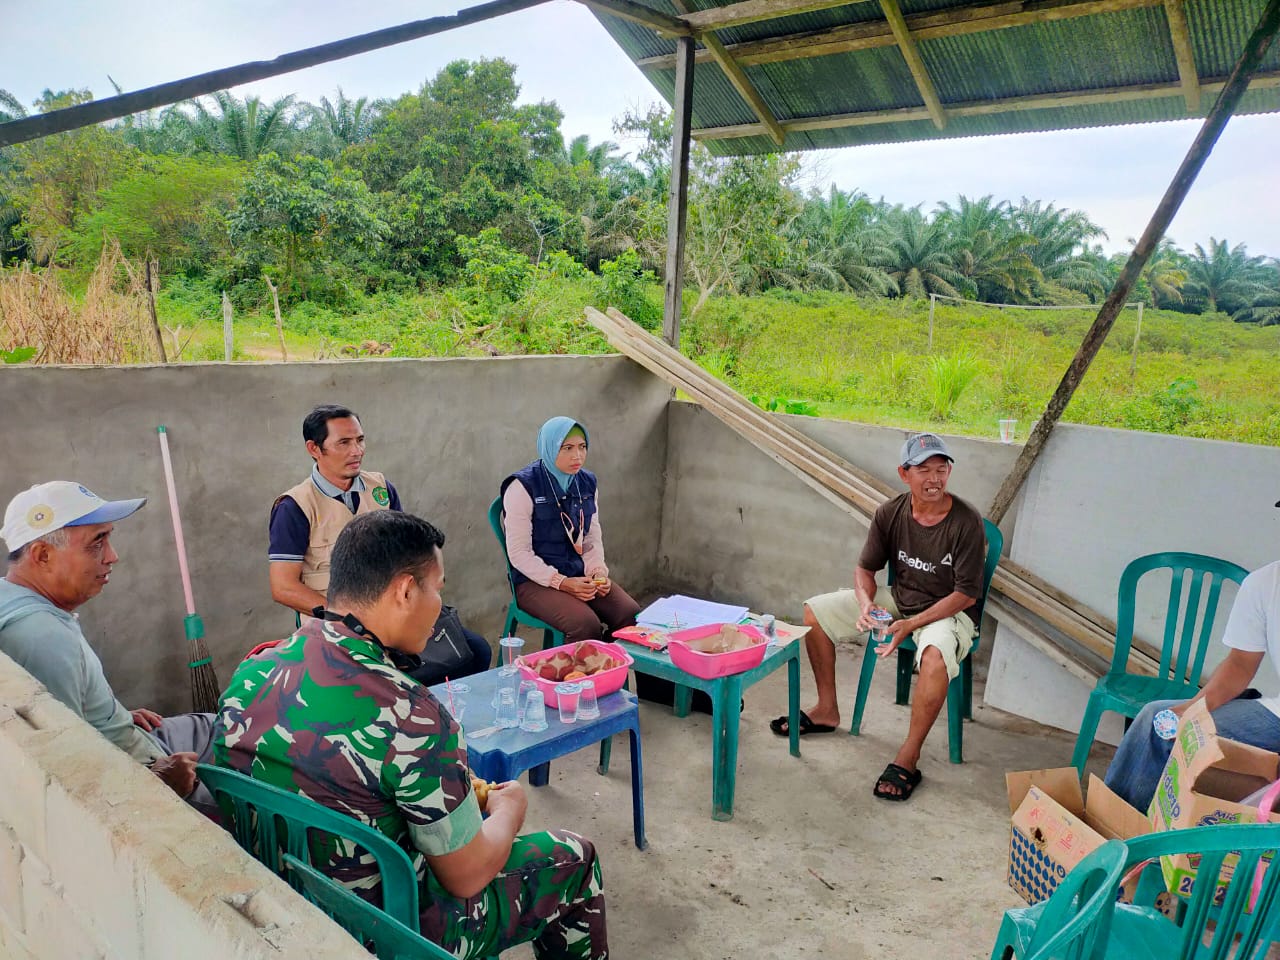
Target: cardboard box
<point>1204,780</point>
<point>1054,826</point>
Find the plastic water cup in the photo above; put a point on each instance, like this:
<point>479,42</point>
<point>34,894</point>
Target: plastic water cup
<point>509,648</point>
<point>882,620</point>
<point>588,706</point>
<point>535,713</point>
<point>567,697</point>
<point>522,697</point>
<point>1006,430</point>
<point>456,700</point>
<point>770,628</point>
<point>505,717</point>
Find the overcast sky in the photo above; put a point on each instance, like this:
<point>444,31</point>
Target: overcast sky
<point>1115,174</point>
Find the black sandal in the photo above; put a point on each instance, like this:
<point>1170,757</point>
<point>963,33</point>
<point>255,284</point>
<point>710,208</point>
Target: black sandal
<point>781,726</point>
<point>903,779</point>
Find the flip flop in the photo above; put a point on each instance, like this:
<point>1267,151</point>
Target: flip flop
<point>807,726</point>
<point>895,776</point>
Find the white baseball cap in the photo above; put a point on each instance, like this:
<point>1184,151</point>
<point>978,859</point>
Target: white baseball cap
<point>47,507</point>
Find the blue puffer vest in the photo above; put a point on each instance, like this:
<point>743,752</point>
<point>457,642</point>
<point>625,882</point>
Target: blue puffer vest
<point>550,542</point>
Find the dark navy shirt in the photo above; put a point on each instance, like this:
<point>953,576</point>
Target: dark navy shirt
<point>290,529</point>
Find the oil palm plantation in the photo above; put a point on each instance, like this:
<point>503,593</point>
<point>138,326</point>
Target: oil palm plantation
<point>1223,277</point>
<point>1061,249</point>
<point>242,128</point>
<point>837,245</point>
<point>920,255</point>
<point>990,252</point>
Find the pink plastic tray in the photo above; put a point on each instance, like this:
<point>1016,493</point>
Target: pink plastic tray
<point>607,681</point>
<point>709,666</point>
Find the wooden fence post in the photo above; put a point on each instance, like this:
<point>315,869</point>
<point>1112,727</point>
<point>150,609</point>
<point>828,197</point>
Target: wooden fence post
<point>151,305</point>
<point>228,340</point>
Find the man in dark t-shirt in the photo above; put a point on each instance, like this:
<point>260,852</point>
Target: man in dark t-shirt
<point>934,546</point>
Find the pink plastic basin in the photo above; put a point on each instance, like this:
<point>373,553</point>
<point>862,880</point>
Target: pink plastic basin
<point>606,681</point>
<point>708,666</point>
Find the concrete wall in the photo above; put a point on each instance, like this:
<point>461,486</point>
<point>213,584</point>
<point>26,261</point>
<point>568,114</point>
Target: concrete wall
<point>100,861</point>
<point>1099,498</point>
<point>444,431</point>
<point>739,527</point>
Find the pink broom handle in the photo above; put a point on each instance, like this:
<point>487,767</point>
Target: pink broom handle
<point>177,520</point>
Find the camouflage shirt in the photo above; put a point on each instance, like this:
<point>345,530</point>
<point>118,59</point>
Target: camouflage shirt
<point>326,714</point>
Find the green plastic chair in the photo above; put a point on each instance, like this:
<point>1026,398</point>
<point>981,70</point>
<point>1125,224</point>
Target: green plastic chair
<point>270,823</point>
<point>1215,921</point>
<point>551,637</point>
<point>1185,641</point>
<point>391,939</point>
<point>1074,922</point>
<point>959,690</point>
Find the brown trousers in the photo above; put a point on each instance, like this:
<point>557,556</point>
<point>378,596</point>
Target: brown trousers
<point>578,619</point>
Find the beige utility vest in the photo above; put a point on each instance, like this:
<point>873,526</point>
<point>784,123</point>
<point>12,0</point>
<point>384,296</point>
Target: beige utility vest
<point>327,518</point>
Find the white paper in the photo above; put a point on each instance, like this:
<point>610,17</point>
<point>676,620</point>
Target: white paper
<point>681,612</point>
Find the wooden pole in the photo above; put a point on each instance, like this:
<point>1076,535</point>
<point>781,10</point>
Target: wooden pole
<point>678,196</point>
<point>1196,156</point>
<point>112,108</point>
<point>151,305</point>
<point>1137,334</point>
<point>933,302</point>
<point>275,304</point>
<point>228,340</point>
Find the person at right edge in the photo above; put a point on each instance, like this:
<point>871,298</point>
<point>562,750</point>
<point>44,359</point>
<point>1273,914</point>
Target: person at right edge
<point>935,545</point>
<point>327,714</point>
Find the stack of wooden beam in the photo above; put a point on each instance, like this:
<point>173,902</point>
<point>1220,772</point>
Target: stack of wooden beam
<point>1028,602</point>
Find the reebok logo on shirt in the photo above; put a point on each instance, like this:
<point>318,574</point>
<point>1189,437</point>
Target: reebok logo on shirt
<point>946,561</point>
<point>924,566</point>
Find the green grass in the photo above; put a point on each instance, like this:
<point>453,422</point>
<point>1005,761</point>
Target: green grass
<point>865,360</point>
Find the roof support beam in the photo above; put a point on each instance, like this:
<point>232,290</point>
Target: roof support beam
<point>678,191</point>
<point>753,11</point>
<point>955,22</point>
<point>1181,36</point>
<point>738,77</point>
<point>902,35</point>
<point>1179,187</point>
<point>871,118</point>
<point>645,16</point>
<point>161,95</point>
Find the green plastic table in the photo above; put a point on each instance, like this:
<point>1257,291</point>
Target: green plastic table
<point>726,697</point>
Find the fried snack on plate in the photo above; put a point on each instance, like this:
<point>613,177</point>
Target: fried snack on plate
<point>481,789</point>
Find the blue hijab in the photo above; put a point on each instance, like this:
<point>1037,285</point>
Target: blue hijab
<point>550,437</point>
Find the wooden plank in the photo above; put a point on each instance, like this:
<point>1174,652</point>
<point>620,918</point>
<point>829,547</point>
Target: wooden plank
<point>663,23</point>
<point>1149,91</point>
<point>919,73</point>
<point>1180,34</point>
<point>1256,48</point>
<point>1009,614</point>
<point>112,108</point>
<point>678,192</point>
<point>955,22</point>
<point>841,482</point>
<point>753,11</point>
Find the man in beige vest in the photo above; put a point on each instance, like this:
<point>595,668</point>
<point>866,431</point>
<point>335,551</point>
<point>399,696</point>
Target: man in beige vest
<point>307,518</point>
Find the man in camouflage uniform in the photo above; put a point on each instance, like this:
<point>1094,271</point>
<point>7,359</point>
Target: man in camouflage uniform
<point>326,714</point>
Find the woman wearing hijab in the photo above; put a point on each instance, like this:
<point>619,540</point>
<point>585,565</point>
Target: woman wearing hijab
<point>554,540</point>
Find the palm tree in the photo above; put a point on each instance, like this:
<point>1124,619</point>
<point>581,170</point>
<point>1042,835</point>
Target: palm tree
<point>1061,251</point>
<point>1264,310</point>
<point>244,129</point>
<point>600,157</point>
<point>1165,273</point>
<point>990,252</point>
<point>10,108</point>
<point>836,244</point>
<point>1223,277</point>
<point>921,255</point>
<point>341,122</point>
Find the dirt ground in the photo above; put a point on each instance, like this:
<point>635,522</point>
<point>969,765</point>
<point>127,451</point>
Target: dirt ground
<point>812,865</point>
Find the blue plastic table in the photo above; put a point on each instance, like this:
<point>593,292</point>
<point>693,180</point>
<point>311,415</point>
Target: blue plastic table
<point>505,754</point>
<point>726,697</point>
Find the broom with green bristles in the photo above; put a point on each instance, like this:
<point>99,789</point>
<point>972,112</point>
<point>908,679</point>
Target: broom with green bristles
<point>204,682</point>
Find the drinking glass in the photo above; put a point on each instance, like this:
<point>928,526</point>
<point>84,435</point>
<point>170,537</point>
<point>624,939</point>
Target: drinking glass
<point>1006,430</point>
<point>506,713</point>
<point>588,706</point>
<point>457,699</point>
<point>522,695</point>
<point>509,649</point>
<point>567,697</point>
<point>535,713</point>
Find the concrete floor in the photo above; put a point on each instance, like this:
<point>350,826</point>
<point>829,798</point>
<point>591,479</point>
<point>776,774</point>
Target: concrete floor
<point>922,878</point>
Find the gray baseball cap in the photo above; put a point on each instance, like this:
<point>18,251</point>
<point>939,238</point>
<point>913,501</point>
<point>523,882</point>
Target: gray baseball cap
<point>920,447</point>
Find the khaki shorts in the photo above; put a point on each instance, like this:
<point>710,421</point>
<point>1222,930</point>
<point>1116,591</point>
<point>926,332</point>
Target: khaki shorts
<point>838,614</point>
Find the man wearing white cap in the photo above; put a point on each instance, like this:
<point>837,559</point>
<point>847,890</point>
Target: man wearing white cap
<point>58,536</point>
<point>934,544</point>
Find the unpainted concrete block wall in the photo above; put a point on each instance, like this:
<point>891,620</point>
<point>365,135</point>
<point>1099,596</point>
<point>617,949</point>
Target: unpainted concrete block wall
<point>445,432</point>
<point>100,861</point>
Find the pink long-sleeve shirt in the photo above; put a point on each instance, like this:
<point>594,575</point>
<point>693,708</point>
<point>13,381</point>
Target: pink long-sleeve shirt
<point>518,506</point>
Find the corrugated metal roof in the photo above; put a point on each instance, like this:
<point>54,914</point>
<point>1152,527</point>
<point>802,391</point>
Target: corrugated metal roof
<point>1126,50</point>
